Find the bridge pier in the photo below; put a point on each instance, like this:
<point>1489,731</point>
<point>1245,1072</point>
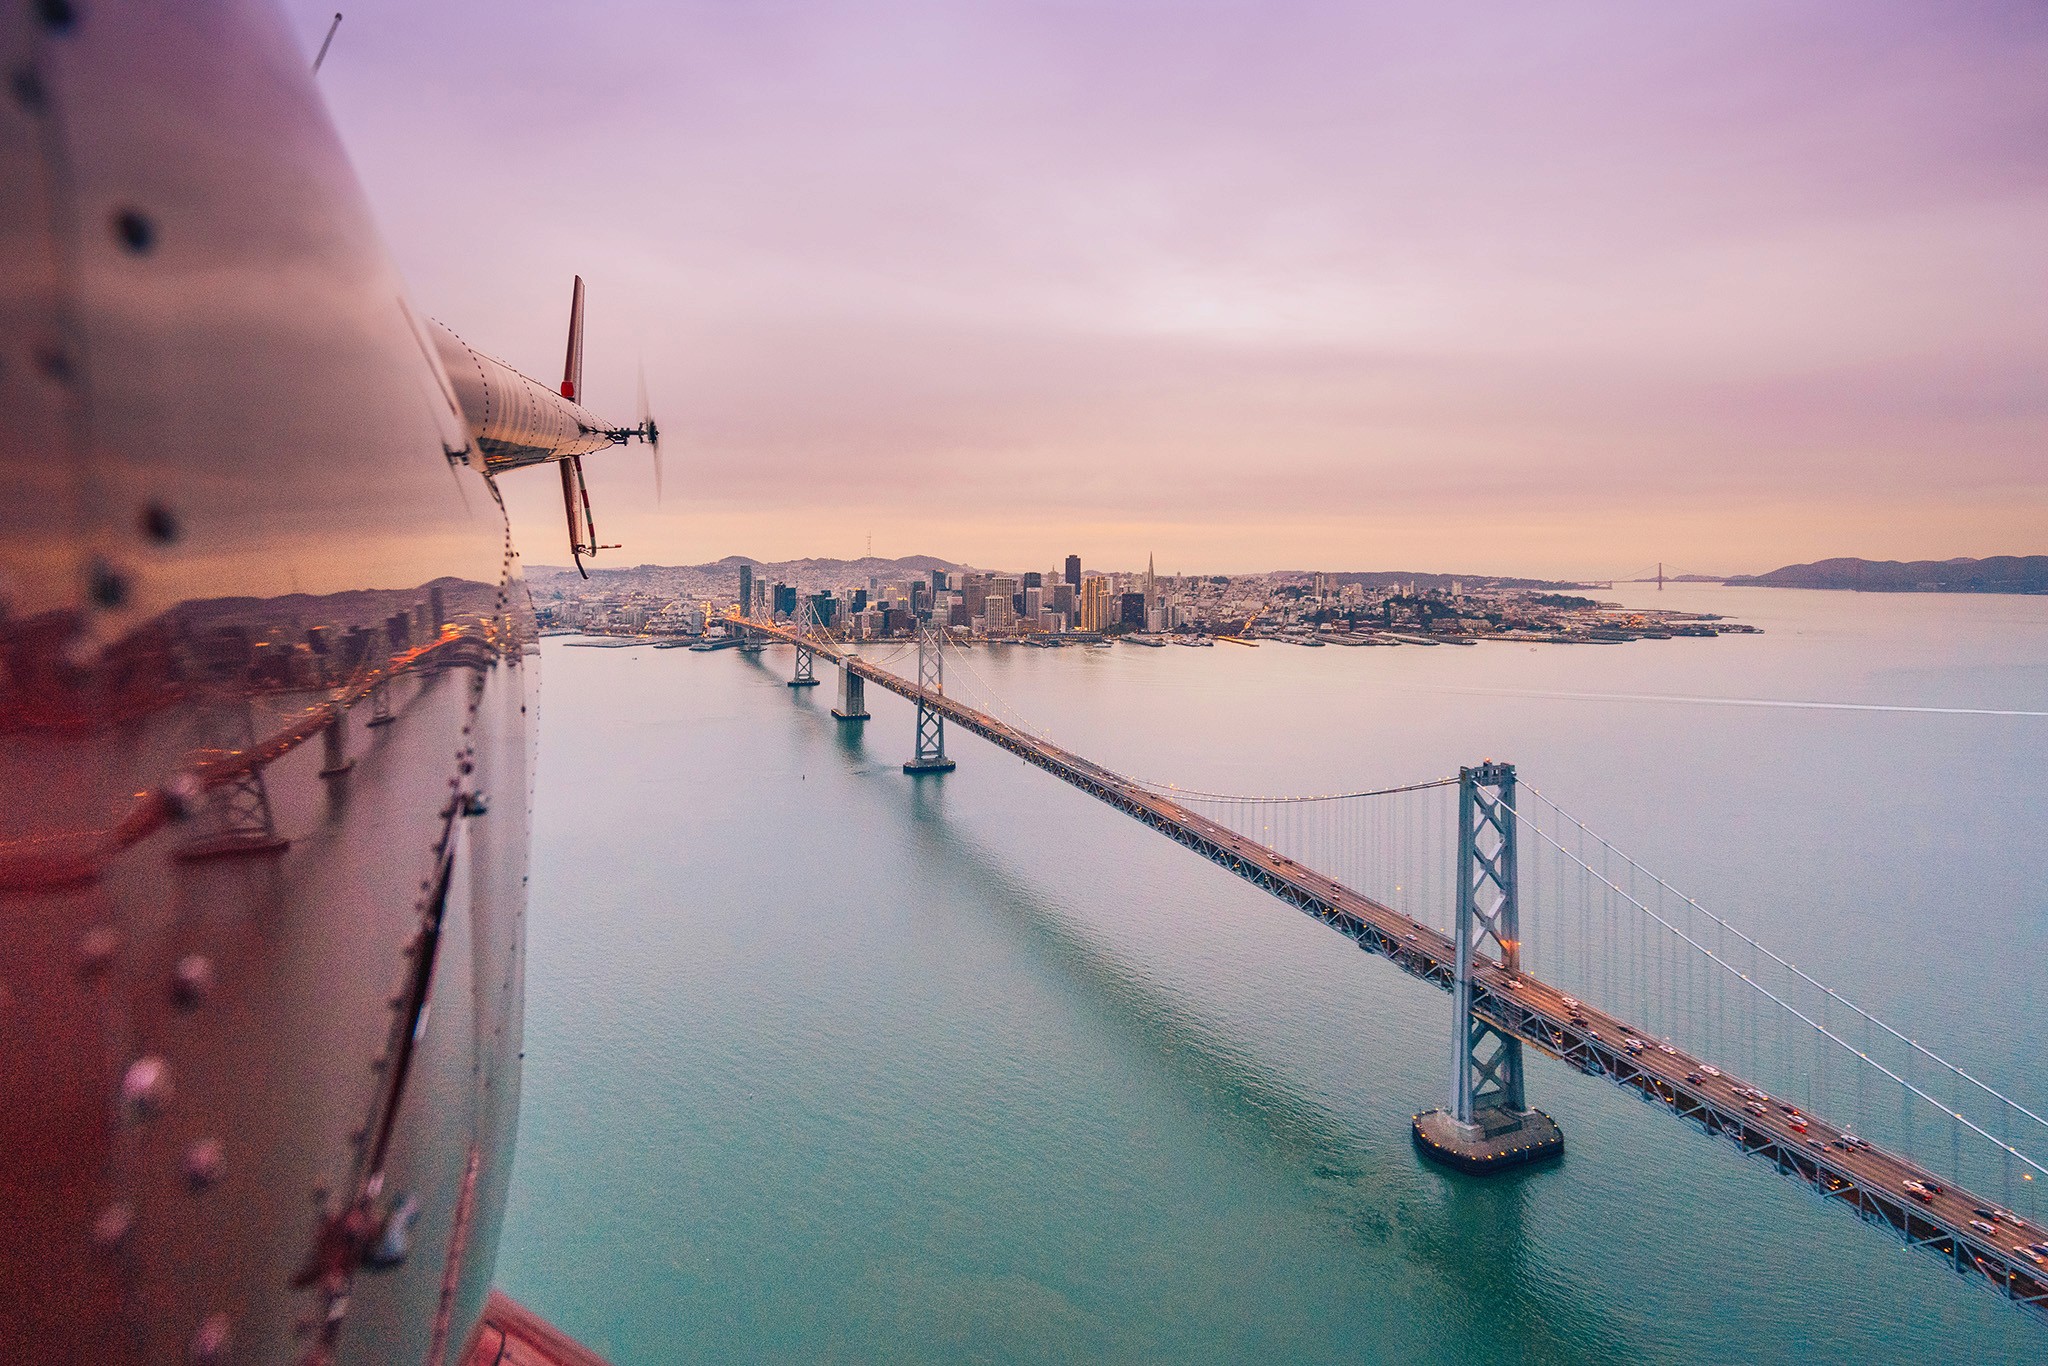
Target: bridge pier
<point>929,755</point>
<point>335,759</point>
<point>853,693</point>
<point>1488,1126</point>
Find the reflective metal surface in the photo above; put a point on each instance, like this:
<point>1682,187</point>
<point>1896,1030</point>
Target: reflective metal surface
<point>517,419</point>
<point>264,703</point>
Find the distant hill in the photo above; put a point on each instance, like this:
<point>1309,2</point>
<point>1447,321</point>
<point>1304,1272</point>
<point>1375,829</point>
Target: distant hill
<point>809,570</point>
<point>1997,574</point>
<point>684,577</point>
<point>1424,581</point>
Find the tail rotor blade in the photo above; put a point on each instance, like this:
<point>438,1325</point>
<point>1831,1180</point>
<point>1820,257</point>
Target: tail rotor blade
<point>650,432</point>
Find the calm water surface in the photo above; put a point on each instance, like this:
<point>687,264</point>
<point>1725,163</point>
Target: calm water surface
<point>824,1063</point>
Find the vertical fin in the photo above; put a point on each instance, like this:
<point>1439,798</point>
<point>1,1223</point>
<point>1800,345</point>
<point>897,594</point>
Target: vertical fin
<point>572,365</point>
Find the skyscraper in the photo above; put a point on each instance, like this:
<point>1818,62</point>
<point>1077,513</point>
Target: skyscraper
<point>1151,584</point>
<point>999,604</point>
<point>1074,570</point>
<point>747,588</point>
<point>1096,612</point>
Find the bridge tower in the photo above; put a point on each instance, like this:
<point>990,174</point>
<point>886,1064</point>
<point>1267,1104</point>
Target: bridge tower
<point>1488,1126</point>
<point>806,675</point>
<point>853,691</point>
<point>930,756</point>
<point>235,817</point>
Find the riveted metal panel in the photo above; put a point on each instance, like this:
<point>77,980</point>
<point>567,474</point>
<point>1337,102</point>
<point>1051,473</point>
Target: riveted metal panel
<point>261,672</point>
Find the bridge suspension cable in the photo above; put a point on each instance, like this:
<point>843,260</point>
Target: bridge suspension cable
<point>1195,794</point>
<point>1599,924</point>
<point>1650,901</point>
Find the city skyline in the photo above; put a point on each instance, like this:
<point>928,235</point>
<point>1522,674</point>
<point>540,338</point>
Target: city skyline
<point>1558,294</point>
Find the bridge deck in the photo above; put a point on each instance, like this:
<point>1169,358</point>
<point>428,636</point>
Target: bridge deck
<point>1866,1179</point>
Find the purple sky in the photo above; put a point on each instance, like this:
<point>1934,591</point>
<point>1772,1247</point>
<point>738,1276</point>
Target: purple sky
<point>1557,288</point>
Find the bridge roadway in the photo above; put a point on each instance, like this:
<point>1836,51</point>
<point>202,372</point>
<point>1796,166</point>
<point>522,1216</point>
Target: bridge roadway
<point>1867,1179</point>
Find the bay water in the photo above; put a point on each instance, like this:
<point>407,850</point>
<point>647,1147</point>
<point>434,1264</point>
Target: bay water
<point>827,1063</point>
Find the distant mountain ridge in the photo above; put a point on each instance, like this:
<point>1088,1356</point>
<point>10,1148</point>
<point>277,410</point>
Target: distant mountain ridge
<point>916,566</point>
<point>870,566</point>
<point>1425,580</point>
<point>1996,574</point>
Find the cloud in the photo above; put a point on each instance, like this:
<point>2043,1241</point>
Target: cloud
<point>1728,284</point>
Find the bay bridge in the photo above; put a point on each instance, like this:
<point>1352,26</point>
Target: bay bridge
<point>1477,883</point>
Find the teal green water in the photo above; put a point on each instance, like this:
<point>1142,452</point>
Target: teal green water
<point>828,1064</point>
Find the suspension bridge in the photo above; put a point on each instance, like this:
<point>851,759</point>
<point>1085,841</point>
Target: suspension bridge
<point>1639,984</point>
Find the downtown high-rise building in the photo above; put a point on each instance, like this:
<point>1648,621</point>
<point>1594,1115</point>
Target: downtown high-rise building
<point>1074,572</point>
<point>1098,612</point>
<point>999,604</point>
<point>747,589</point>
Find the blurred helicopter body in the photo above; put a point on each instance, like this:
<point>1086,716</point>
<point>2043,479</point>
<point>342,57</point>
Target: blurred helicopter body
<point>266,687</point>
